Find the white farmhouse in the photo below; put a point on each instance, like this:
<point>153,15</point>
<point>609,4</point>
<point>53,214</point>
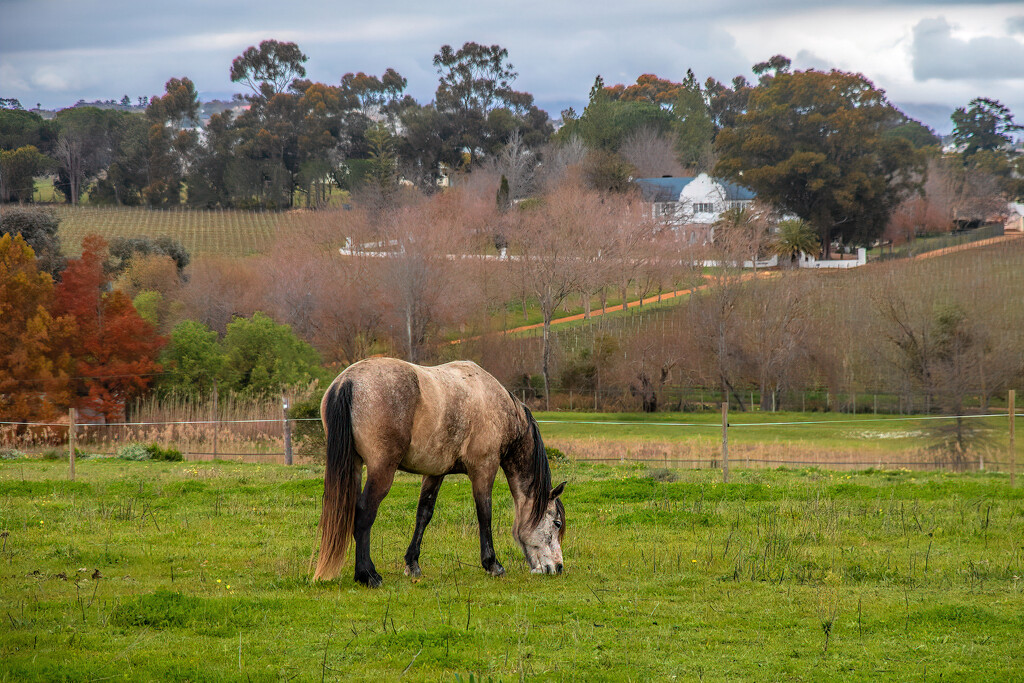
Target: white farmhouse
<point>691,205</point>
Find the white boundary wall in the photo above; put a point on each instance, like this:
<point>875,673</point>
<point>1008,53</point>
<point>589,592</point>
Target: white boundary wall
<point>807,261</point>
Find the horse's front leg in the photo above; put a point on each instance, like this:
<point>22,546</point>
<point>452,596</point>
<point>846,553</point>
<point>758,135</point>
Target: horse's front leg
<point>482,496</point>
<point>378,483</point>
<point>424,511</point>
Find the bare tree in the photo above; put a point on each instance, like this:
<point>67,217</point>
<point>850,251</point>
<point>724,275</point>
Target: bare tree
<point>917,215</point>
<point>963,194</point>
<point>651,154</point>
<point>560,160</point>
<point>517,163</point>
<point>431,251</point>
<point>715,311</point>
<point>630,245</point>
<point>69,154</point>
<point>775,333</point>
<point>653,359</point>
<point>547,242</point>
<point>220,288</point>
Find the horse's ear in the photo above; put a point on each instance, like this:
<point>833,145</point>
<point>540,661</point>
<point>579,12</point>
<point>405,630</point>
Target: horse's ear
<point>557,491</point>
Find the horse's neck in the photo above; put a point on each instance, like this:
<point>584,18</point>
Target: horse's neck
<point>521,499</point>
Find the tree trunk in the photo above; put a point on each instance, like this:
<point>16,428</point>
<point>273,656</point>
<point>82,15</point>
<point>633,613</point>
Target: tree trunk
<point>547,358</point>
<point>767,395</point>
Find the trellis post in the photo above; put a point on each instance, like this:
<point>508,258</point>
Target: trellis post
<point>1012,399</point>
<point>725,441</point>
<point>287,430</point>
<point>72,417</point>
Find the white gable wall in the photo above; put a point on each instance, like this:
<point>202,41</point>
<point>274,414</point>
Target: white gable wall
<point>703,199</point>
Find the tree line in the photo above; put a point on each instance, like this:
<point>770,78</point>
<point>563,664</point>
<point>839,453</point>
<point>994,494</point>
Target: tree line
<point>825,146</point>
<point>288,138</point>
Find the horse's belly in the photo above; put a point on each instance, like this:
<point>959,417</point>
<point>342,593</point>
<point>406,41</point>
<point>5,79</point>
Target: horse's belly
<point>429,462</point>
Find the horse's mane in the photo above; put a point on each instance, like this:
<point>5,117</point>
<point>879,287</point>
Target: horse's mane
<point>539,486</point>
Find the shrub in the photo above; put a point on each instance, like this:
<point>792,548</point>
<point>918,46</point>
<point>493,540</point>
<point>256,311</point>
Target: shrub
<point>309,434</point>
<point>662,474</point>
<point>555,454</point>
<point>153,451</point>
<point>134,451</point>
<point>11,454</point>
<point>164,454</point>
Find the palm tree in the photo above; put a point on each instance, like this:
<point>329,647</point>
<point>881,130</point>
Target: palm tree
<point>742,230</point>
<point>794,237</point>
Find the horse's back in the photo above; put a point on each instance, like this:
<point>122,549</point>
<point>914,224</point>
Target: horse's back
<point>429,420</point>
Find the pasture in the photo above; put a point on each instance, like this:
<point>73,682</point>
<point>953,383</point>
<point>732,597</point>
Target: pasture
<point>772,439</point>
<point>199,571</point>
<point>209,233</point>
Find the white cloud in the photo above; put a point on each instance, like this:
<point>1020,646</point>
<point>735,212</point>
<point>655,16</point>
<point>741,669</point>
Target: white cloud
<point>11,77</point>
<point>50,78</point>
<point>939,54</point>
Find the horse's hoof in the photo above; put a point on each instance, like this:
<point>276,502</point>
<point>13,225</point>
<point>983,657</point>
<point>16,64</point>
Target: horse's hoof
<point>413,571</point>
<point>496,570</point>
<point>370,579</point>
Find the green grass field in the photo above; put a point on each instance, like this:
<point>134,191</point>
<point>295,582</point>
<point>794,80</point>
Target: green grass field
<point>798,431</point>
<point>203,576</point>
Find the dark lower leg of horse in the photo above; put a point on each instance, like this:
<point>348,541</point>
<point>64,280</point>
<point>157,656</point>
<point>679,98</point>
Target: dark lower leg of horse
<point>366,512</point>
<point>424,511</point>
<point>483,516</point>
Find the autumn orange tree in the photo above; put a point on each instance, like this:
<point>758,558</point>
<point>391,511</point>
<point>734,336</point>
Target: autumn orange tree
<point>114,348</point>
<point>35,365</point>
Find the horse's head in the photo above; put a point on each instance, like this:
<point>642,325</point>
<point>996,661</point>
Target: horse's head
<point>541,540</point>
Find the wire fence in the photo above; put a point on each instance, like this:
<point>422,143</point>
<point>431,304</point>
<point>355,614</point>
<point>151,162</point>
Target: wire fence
<point>970,442</point>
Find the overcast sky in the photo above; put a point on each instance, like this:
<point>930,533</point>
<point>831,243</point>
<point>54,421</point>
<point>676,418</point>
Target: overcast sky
<point>930,57</point>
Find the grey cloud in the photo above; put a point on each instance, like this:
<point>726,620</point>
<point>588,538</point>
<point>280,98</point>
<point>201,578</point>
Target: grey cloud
<point>557,49</point>
<point>805,59</point>
<point>62,50</point>
<point>936,53</point>
<point>1015,24</point>
<point>29,25</point>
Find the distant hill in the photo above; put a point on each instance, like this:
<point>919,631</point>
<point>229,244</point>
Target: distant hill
<point>935,116</point>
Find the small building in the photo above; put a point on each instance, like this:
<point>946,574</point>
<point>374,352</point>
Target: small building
<point>1014,217</point>
<point>692,205</point>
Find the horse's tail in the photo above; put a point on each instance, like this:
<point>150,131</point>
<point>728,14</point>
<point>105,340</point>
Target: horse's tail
<point>341,483</point>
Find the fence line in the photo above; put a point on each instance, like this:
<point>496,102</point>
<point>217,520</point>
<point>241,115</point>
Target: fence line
<point>713,460</point>
<point>567,422</point>
<point>774,424</point>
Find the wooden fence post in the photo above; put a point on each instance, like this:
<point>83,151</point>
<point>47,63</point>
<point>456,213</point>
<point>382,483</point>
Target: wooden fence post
<point>287,430</point>
<point>216,419</point>
<point>1012,399</point>
<point>71,441</point>
<point>725,441</point>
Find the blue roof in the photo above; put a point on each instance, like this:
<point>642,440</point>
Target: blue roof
<point>669,189</point>
<point>736,193</point>
<point>662,189</point>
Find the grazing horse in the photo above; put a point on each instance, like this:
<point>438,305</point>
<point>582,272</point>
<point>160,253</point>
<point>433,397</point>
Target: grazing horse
<point>451,419</point>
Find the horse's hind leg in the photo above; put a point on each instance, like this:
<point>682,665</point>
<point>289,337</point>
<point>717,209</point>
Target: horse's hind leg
<point>424,511</point>
<point>378,483</point>
<point>482,486</point>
